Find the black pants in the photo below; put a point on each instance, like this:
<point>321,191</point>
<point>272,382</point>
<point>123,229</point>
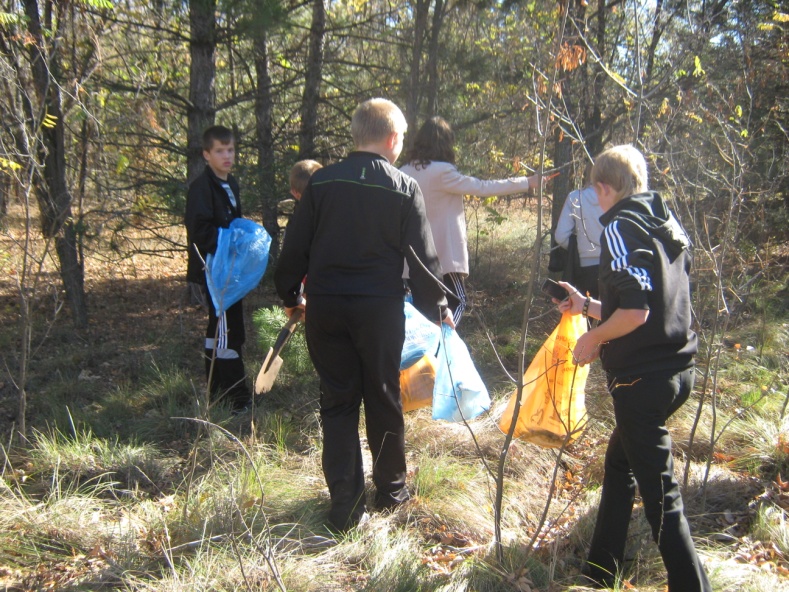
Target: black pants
<point>355,343</point>
<point>586,280</point>
<point>224,338</point>
<point>639,451</point>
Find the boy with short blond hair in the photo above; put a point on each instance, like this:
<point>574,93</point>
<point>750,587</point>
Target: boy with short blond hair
<point>356,222</point>
<point>213,202</point>
<point>300,174</point>
<point>623,168</point>
<point>646,346</point>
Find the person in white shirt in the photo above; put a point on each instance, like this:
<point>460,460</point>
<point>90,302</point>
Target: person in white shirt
<point>431,161</point>
<point>581,216</point>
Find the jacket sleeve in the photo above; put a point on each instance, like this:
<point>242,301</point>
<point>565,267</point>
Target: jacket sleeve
<point>201,227</point>
<point>565,225</point>
<point>632,262</point>
<point>294,258</point>
<point>428,295</point>
<point>453,181</point>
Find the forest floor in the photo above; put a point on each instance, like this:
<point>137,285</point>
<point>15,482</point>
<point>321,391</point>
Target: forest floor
<point>117,488</point>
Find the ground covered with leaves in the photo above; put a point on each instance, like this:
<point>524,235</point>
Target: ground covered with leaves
<point>129,480</point>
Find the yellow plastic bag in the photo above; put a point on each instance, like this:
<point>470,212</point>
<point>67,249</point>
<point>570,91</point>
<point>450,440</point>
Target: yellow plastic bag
<point>552,402</point>
<point>416,383</point>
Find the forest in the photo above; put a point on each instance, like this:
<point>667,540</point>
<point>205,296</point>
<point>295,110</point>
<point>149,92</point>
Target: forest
<point>117,474</point>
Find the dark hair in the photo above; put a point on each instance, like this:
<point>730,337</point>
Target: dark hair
<point>435,140</point>
<point>217,133</point>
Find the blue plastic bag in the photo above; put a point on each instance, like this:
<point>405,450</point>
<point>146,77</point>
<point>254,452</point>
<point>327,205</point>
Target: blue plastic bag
<point>238,264</point>
<point>459,392</point>
<point>421,337</point>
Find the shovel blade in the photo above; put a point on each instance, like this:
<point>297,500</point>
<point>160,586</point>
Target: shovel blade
<point>266,377</point>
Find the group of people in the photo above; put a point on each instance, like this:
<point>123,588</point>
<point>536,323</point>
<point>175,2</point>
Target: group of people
<point>359,220</point>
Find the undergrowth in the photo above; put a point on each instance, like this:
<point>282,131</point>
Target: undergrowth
<point>129,481</point>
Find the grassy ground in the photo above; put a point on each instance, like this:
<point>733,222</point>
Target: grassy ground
<point>129,481</point>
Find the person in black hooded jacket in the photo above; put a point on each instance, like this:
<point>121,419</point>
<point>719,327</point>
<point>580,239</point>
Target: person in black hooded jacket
<point>646,346</point>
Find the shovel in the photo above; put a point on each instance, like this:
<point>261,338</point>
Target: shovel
<point>272,363</point>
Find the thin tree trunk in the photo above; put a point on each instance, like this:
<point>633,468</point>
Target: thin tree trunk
<point>264,108</point>
<point>52,192</point>
<point>593,131</point>
<point>432,57</point>
<point>562,155</point>
<point>415,83</point>
<point>202,73</point>
<point>312,82</point>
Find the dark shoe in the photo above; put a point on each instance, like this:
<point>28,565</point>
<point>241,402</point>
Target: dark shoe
<point>595,577</point>
<point>389,501</point>
<point>338,525</point>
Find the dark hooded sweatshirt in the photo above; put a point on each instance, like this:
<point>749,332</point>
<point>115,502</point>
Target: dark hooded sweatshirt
<point>208,208</point>
<point>644,264</point>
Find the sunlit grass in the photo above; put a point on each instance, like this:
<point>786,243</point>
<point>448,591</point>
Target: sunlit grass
<point>160,504</point>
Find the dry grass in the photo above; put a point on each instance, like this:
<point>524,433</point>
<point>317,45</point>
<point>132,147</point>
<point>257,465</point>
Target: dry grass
<point>113,493</point>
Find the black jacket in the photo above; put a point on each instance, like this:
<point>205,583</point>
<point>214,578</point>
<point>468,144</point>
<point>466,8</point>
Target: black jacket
<point>208,208</point>
<point>645,264</point>
<point>351,231</point>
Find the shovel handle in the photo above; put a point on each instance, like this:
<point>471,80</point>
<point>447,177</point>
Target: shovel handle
<point>285,334</point>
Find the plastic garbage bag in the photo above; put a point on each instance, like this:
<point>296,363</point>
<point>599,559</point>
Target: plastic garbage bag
<point>459,392</point>
<point>416,383</point>
<point>421,337</point>
<point>238,264</point>
<point>552,401</point>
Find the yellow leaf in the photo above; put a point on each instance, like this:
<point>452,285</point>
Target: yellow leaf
<point>697,70</point>
<point>49,121</point>
<point>9,164</point>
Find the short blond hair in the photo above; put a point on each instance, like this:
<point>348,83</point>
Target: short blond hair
<point>623,168</point>
<point>375,120</point>
<point>300,174</point>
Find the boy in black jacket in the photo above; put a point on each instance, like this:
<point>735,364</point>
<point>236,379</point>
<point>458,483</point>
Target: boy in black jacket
<point>646,347</point>
<point>356,221</point>
<point>212,203</point>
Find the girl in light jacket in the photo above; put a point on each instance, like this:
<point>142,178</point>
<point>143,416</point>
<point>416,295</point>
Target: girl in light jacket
<point>431,161</point>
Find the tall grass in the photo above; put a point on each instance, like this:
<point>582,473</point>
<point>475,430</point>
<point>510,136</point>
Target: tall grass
<point>118,494</point>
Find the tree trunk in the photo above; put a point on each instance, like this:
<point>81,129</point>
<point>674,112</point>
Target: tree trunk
<point>593,128</point>
<point>415,85</point>
<point>562,155</point>
<point>432,57</point>
<point>5,194</point>
<point>264,108</point>
<point>202,73</point>
<point>312,82</point>
<point>52,192</point>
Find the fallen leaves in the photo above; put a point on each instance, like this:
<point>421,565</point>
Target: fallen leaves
<point>767,556</point>
<point>449,550</point>
<point>521,582</point>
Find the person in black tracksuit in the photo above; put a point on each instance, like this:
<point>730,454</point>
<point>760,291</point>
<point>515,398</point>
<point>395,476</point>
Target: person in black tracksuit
<point>213,202</point>
<point>646,346</point>
<point>355,223</point>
